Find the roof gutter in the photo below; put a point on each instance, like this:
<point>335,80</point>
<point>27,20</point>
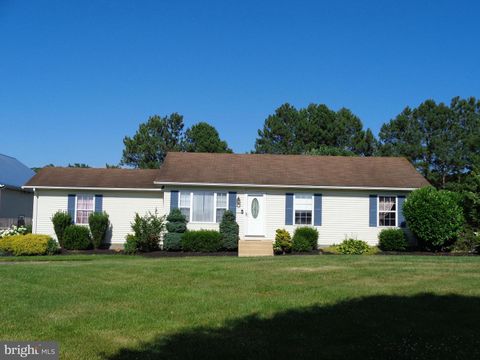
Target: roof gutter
<point>89,188</point>
<point>287,186</point>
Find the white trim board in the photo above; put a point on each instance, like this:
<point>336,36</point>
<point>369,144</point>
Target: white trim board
<point>285,186</point>
<point>90,188</point>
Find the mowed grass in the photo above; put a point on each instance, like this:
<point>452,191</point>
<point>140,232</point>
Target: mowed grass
<point>328,307</point>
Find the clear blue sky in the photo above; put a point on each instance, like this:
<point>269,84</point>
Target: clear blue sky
<point>77,76</point>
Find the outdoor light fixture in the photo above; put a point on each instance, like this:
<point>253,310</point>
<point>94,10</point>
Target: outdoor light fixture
<point>239,202</point>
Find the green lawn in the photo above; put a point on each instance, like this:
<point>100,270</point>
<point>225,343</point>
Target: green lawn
<point>316,307</point>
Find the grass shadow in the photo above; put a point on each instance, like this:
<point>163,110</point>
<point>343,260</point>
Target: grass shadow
<point>379,327</point>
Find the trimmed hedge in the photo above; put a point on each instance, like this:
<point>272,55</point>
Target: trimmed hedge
<point>229,230</point>
<point>202,240</point>
<point>30,244</point>
<point>392,240</point>
<point>301,244</point>
<point>308,233</point>
<point>61,220</point>
<point>77,237</point>
<point>172,241</point>
<point>98,223</point>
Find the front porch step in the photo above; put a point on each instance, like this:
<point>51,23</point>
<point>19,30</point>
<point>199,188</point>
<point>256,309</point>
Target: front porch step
<point>255,248</point>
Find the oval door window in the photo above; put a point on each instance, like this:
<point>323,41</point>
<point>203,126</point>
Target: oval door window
<point>255,208</point>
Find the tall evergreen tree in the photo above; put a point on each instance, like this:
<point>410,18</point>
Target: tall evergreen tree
<point>203,137</point>
<point>153,139</point>
<point>292,131</point>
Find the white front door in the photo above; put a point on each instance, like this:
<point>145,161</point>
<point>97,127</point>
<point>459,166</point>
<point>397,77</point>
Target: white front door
<point>255,215</point>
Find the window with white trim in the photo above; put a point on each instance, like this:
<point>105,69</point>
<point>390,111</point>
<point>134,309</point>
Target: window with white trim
<point>221,206</point>
<point>184,204</point>
<point>203,206</point>
<point>85,206</point>
<point>387,210</point>
<point>303,206</point>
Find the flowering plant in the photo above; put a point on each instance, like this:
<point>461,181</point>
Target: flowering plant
<point>14,230</point>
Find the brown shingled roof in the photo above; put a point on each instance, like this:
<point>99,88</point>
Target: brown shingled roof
<point>95,178</point>
<point>337,171</point>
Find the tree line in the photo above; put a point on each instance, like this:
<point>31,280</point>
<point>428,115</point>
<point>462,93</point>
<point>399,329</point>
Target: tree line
<point>442,141</point>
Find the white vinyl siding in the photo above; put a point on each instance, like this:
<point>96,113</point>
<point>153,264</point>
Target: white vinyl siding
<point>121,207</point>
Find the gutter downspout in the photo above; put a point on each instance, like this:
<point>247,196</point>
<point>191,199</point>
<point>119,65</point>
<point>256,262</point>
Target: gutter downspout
<point>1,188</point>
<point>35,211</point>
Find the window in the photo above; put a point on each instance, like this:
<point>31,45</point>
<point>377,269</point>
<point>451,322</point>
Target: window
<point>85,206</point>
<point>387,211</point>
<point>184,204</point>
<point>202,209</point>
<point>303,206</point>
<point>203,206</point>
<point>221,206</point>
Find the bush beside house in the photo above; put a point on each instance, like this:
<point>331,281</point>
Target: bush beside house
<point>283,242</point>
<point>77,237</point>
<point>176,227</point>
<point>392,240</point>
<point>61,220</point>
<point>305,239</point>
<point>98,223</point>
<point>229,230</point>
<point>29,244</point>
<point>147,232</point>
<point>434,216</point>
<point>202,240</point>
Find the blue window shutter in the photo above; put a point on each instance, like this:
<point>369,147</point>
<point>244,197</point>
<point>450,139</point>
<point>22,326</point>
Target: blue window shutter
<point>173,199</point>
<point>232,202</point>
<point>401,218</point>
<point>317,209</point>
<point>373,211</point>
<point>288,209</point>
<point>98,203</point>
<point>71,206</point>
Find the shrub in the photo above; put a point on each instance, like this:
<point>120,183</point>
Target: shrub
<point>30,244</point>
<point>468,241</point>
<point>283,241</point>
<point>98,223</point>
<point>61,220</point>
<point>434,216</point>
<point>172,241</point>
<point>301,244</point>
<point>148,230</point>
<point>176,222</point>
<point>392,240</point>
<point>77,237</point>
<point>14,230</point>
<point>353,247</point>
<point>130,247</point>
<point>309,233</point>
<point>229,230</point>
<point>202,240</point>
<point>176,226</point>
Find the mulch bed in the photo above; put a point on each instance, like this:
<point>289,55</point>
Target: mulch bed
<point>426,253</point>
<point>155,254</point>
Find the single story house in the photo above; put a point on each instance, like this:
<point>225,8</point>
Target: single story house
<point>340,196</point>
<point>15,202</point>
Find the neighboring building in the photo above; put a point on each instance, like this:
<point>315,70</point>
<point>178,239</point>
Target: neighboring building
<point>340,196</point>
<point>16,204</point>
